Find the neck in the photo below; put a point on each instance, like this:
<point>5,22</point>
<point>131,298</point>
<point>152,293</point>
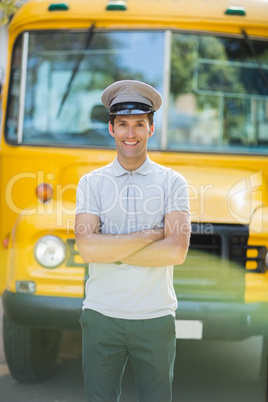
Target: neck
<point>130,164</point>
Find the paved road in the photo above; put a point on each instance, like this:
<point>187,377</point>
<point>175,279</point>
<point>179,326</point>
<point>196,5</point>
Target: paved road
<point>204,372</point>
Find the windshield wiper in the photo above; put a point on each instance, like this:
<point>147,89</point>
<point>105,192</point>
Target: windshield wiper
<point>81,55</point>
<point>254,55</point>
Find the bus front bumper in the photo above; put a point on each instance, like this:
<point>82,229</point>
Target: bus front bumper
<point>42,311</point>
<point>215,320</point>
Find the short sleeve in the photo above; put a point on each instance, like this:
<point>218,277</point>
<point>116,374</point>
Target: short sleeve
<point>86,202</point>
<point>178,195</point>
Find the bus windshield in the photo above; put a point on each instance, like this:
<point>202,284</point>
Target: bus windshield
<point>215,89</point>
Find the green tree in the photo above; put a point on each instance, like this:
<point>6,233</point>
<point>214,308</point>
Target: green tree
<point>8,8</point>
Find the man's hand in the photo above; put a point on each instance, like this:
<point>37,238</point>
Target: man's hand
<point>172,249</point>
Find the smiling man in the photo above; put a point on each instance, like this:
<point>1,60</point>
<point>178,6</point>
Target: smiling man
<point>132,226</point>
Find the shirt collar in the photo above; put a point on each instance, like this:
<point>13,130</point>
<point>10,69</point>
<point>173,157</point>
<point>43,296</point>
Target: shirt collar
<point>118,169</point>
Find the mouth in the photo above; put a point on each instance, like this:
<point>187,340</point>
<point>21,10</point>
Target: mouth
<point>130,143</point>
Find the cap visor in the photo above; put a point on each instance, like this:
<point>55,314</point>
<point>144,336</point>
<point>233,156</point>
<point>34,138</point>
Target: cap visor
<point>129,111</point>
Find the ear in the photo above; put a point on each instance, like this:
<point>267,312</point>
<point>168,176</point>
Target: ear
<point>111,131</point>
<point>151,132</point>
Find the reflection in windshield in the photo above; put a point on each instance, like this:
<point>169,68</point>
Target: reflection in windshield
<point>217,100</point>
<point>82,121</point>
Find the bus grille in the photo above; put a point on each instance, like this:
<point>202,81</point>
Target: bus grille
<point>229,242</point>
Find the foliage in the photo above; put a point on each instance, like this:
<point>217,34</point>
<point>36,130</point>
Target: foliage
<point>8,8</point>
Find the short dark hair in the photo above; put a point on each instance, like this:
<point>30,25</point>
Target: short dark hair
<point>150,118</point>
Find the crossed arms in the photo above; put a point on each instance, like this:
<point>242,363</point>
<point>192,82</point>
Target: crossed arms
<point>150,248</point>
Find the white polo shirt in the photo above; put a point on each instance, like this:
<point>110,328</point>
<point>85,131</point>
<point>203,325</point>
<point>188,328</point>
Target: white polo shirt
<point>127,202</point>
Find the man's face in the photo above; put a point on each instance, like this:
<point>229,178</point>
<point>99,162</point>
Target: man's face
<point>131,134</point>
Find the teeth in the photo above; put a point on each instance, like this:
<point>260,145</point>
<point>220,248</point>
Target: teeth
<point>130,143</point>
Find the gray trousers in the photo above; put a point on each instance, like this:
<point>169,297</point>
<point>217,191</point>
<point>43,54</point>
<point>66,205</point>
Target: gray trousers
<point>107,344</point>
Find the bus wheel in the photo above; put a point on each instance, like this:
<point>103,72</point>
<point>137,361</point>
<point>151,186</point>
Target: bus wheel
<point>31,353</point>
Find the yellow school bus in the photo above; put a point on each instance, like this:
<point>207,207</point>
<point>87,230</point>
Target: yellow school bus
<point>209,60</point>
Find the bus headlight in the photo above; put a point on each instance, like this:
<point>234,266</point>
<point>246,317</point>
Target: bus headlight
<point>50,251</point>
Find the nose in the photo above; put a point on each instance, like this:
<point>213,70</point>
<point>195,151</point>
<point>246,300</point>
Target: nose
<point>130,132</point>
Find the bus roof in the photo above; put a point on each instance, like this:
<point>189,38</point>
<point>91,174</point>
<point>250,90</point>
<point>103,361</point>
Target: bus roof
<point>224,16</point>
